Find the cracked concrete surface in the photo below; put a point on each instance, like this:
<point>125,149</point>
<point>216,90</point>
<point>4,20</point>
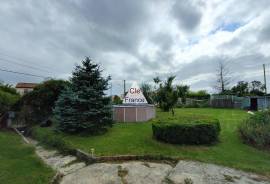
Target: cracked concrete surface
<point>184,172</point>
<point>137,172</point>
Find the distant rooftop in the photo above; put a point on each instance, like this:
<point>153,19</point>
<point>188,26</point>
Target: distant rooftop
<point>26,85</point>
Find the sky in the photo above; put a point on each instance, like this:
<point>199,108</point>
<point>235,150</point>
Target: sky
<point>135,40</point>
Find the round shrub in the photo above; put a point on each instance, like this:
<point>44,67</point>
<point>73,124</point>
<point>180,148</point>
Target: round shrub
<point>255,130</point>
<point>201,131</point>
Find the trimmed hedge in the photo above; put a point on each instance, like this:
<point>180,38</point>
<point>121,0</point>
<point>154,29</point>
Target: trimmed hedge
<point>196,132</point>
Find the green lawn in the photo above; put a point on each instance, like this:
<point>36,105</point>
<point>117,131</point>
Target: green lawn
<point>136,138</point>
<point>19,164</point>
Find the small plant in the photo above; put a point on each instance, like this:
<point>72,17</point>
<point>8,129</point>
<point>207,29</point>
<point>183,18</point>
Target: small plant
<point>167,95</point>
<point>167,180</point>
<point>188,181</point>
<point>122,174</point>
<point>228,178</point>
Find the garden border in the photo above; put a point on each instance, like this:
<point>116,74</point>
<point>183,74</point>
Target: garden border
<point>92,159</point>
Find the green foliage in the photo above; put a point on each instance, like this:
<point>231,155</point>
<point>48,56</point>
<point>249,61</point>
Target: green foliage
<point>147,92</point>
<point>257,88</point>
<point>199,95</point>
<point>52,141</point>
<point>187,131</point>
<point>241,89</point>
<point>117,100</point>
<point>7,98</point>
<point>193,103</point>
<point>156,80</point>
<point>83,107</point>
<point>255,130</point>
<point>167,95</point>
<point>8,88</point>
<point>182,91</point>
<point>37,105</point>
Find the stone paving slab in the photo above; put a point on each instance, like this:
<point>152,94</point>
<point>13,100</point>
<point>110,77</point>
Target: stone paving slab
<point>95,173</point>
<point>205,173</point>
<point>185,172</point>
<point>72,168</point>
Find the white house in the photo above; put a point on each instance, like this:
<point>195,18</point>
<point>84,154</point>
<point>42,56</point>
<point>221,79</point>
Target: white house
<point>23,88</point>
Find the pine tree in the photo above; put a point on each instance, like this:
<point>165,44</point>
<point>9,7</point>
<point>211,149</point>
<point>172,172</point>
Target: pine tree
<point>83,107</point>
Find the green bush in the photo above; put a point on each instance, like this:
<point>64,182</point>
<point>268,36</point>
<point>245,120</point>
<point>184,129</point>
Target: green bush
<point>8,88</point>
<point>36,106</point>
<point>255,130</point>
<point>7,100</point>
<point>187,131</point>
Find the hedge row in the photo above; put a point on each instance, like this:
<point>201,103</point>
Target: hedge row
<point>196,132</point>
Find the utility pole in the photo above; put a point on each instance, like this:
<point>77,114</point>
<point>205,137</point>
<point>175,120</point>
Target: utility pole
<point>124,89</point>
<point>111,89</point>
<point>264,76</point>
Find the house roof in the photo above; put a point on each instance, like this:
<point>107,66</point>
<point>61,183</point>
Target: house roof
<point>26,85</point>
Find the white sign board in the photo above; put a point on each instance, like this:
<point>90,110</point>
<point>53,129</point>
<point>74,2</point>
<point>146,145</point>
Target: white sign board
<point>135,95</point>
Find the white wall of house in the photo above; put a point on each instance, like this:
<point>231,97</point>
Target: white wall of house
<point>23,91</point>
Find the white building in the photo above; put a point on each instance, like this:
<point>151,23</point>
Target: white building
<point>23,88</point>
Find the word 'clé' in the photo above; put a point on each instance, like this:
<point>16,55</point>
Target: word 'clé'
<point>134,91</point>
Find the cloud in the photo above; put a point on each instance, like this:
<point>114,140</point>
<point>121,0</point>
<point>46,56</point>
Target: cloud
<point>135,40</point>
<point>187,14</point>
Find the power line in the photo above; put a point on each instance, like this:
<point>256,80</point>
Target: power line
<point>23,65</point>
<point>21,73</point>
<point>19,59</point>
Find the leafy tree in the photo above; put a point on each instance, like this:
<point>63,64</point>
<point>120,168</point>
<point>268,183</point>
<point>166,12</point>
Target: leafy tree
<point>182,91</point>
<point>38,104</point>
<point>117,100</point>
<point>7,100</point>
<point>8,88</point>
<point>167,95</point>
<point>257,88</point>
<point>147,92</point>
<point>241,89</point>
<point>83,107</point>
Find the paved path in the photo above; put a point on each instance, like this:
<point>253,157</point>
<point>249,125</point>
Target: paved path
<point>136,172</point>
<point>64,164</point>
<point>185,172</point>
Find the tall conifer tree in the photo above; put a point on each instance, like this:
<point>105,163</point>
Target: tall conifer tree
<point>83,107</point>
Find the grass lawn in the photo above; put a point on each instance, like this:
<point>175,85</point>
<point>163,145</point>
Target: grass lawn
<point>19,164</point>
<point>136,138</point>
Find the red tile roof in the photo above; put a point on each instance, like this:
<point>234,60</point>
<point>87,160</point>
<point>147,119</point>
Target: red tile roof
<point>26,85</point>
